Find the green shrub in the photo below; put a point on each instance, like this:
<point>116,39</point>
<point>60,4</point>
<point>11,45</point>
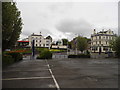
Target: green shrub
<point>42,49</point>
<point>7,60</point>
<point>17,56</point>
<point>72,56</point>
<point>79,56</point>
<point>87,52</point>
<point>45,54</point>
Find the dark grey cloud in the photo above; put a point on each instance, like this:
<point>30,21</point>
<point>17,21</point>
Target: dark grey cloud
<point>80,26</point>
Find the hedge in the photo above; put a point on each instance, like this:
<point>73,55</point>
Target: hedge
<point>45,54</point>
<point>9,58</point>
<point>17,56</point>
<point>79,56</point>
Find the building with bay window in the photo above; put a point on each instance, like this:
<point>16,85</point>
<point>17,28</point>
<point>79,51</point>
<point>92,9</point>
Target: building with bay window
<point>100,41</point>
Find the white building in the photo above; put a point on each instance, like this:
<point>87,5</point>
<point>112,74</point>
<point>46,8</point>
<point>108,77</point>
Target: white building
<point>59,45</point>
<point>40,41</point>
<point>100,42</point>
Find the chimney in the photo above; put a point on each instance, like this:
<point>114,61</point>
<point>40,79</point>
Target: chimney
<point>40,33</point>
<point>94,32</point>
<point>103,30</point>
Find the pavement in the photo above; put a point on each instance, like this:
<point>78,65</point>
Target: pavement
<point>62,73</point>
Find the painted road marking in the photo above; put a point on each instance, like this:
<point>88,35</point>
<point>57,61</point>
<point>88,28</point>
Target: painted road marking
<point>23,70</point>
<point>27,78</point>
<point>55,81</point>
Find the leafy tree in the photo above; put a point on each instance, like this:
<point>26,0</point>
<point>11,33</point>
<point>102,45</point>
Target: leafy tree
<point>59,42</point>
<point>116,46</point>
<point>73,43</point>
<point>11,24</point>
<point>69,45</point>
<point>65,41</point>
<point>82,43</point>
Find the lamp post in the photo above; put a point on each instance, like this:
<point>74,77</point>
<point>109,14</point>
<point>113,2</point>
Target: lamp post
<point>33,49</point>
<point>67,46</point>
<point>76,44</point>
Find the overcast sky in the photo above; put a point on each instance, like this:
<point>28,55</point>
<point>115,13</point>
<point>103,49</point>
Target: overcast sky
<point>67,19</point>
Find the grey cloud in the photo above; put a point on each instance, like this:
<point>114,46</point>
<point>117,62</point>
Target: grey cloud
<point>26,33</point>
<point>75,26</point>
<point>60,7</point>
<point>45,32</point>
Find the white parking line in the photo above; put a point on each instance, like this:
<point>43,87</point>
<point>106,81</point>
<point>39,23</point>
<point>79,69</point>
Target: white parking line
<point>55,81</point>
<point>23,70</point>
<point>27,78</point>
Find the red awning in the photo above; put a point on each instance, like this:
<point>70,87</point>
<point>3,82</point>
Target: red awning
<point>23,41</point>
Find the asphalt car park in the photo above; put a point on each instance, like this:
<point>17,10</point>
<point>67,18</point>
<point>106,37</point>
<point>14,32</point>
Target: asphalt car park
<point>62,73</point>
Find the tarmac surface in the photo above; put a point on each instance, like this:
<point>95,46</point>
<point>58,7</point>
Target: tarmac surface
<point>62,73</point>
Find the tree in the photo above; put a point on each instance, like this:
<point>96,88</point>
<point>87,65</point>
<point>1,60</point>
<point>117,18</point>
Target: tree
<point>82,43</point>
<point>65,41</point>
<point>73,43</point>
<point>115,45</point>
<point>69,45</point>
<point>11,24</point>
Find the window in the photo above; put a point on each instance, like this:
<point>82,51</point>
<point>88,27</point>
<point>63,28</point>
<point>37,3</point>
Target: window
<point>99,42</point>
<point>99,37</point>
<point>47,44</point>
<point>106,42</point>
<point>106,37</point>
<point>36,44</point>
<point>94,48</point>
<point>32,37</point>
<point>44,45</point>
<point>36,40</point>
<point>40,45</point>
<point>105,48</point>
<point>40,40</point>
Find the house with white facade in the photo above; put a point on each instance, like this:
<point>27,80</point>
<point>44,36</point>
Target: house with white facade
<point>59,45</point>
<point>100,42</point>
<point>40,40</point>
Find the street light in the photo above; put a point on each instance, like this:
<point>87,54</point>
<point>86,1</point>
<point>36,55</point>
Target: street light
<point>33,48</point>
<point>76,43</point>
<point>67,46</point>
